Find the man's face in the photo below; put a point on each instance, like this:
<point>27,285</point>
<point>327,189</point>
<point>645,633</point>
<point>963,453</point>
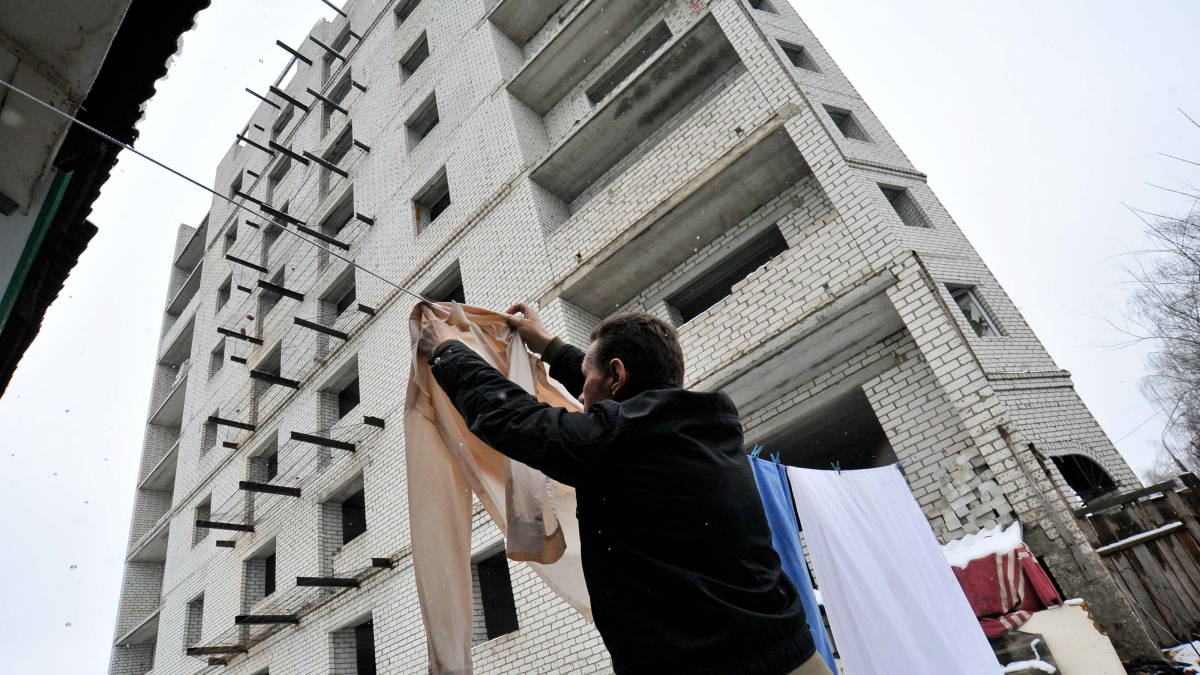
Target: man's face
<point>598,380</point>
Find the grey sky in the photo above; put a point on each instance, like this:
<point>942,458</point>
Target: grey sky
<point>1034,121</point>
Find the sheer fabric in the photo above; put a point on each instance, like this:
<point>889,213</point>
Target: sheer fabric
<point>445,464</point>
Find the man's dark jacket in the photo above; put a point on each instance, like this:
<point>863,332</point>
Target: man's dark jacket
<point>676,549</point>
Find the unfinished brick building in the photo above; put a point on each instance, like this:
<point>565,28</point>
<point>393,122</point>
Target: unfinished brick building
<point>702,160</point>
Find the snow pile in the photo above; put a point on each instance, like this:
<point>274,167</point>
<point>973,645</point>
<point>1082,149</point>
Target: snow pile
<point>983,543</point>
<point>1187,653</point>
<point>1036,664</point>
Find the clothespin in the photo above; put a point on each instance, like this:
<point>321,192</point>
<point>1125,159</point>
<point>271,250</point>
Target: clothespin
<point>757,449</point>
<point>775,458</point>
<point>837,466</point>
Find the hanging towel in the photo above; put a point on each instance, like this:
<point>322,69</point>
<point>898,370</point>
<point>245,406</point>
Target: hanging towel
<point>785,535</point>
<point>893,603</point>
<point>445,463</point>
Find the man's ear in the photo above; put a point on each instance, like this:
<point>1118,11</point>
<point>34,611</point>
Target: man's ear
<point>620,376</point>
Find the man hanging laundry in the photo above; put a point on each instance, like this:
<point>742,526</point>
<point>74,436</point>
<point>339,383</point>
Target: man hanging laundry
<point>675,544</point>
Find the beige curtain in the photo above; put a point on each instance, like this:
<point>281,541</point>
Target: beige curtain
<point>446,463</point>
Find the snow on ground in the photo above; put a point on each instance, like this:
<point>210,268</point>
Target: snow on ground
<point>1188,653</point>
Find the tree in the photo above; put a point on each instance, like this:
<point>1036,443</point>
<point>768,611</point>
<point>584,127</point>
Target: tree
<point>1165,309</point>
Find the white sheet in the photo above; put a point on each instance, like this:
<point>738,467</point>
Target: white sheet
<point>893,602</point>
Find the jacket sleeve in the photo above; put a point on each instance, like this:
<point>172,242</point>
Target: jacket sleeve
<point>565,446</point>
<point>566,365</point>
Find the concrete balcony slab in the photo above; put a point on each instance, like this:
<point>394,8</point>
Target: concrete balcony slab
<point>152,547</point>
<point>685,68</point>
<point>186,293</point>
<point>720,197</point>
<point>170,413</point>
<point>162,476</point>
<point>146,632</point>
<point>592,33</point>
<point>520,20</point>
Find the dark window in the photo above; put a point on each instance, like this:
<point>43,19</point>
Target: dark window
<point>847,124</point>
<point>762,6</point>
<point>276,177</point>
<point>432,201</point>
<point>495,590</point>
<point>415,56</point>
<point>364,648</point>
<point>905,206</point>
<point>269,575</point>
<point>798,56</point>
<point>449,288</point>
<point>405,9</point>
<point>341,91</point>
<point>236,187</point>
<point>339,217</point>
<point>974,311</point>
<point>422,121</point>
<point>230,237</point>
<point>631,61</point>
<point>347,300</point>
<point>208,436</point>
<point>348,398</point>
<point>718,283</point>
<point>272,465</point>
<point>272,233</point>
<point>354,516</point>
<point>340,148</point>
<point>223,293</point>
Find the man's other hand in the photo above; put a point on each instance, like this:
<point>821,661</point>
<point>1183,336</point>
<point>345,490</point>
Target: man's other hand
<point>434,334</point>
<point>529,326</point>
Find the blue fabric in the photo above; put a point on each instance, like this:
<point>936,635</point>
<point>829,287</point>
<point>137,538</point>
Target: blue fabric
<point>785,535</point>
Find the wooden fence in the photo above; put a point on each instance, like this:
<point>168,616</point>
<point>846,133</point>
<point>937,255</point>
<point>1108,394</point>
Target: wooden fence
<point>1150,541</point>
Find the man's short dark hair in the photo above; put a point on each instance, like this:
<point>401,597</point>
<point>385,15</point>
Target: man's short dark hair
<point>647,345</point>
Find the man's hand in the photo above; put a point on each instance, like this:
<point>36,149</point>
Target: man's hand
<point>529,326</point>
<point>434,334</point>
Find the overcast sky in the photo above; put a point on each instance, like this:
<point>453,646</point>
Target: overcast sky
<point>1034,120</point>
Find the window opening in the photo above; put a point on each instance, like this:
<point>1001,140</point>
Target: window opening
<point>405,10</point>
<point>763,6</point>
<point>282,122</point>
<point>798,56</point>
<point>354,516</point>
<point>905,206</point>
<point>1087,478</point>
<point>493,597</point>
<point>974,312</point>
<point>348,398</point>
<point>194,622</point>
<point>230,237</point>
<point>364,648</point>
<point>224,293</point>
<point>718,282</point>
<point>208,435</point>
<point>216,360</point>
<point>432,201</point>
<point>203,511</point>
<point>273,465</point>
<point>422,122</point>
<point>339,217</point>
<point>339,45</point>
<point>267,299</point>
<point>449,287</point>
<point>631,61</point>
<point>846,123</point>
<point>236,186</point>
<point>413,59</point>
<point>275,178</point>
<point>343,295</point>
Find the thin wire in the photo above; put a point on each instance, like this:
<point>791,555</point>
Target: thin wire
<point>204,187</point>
